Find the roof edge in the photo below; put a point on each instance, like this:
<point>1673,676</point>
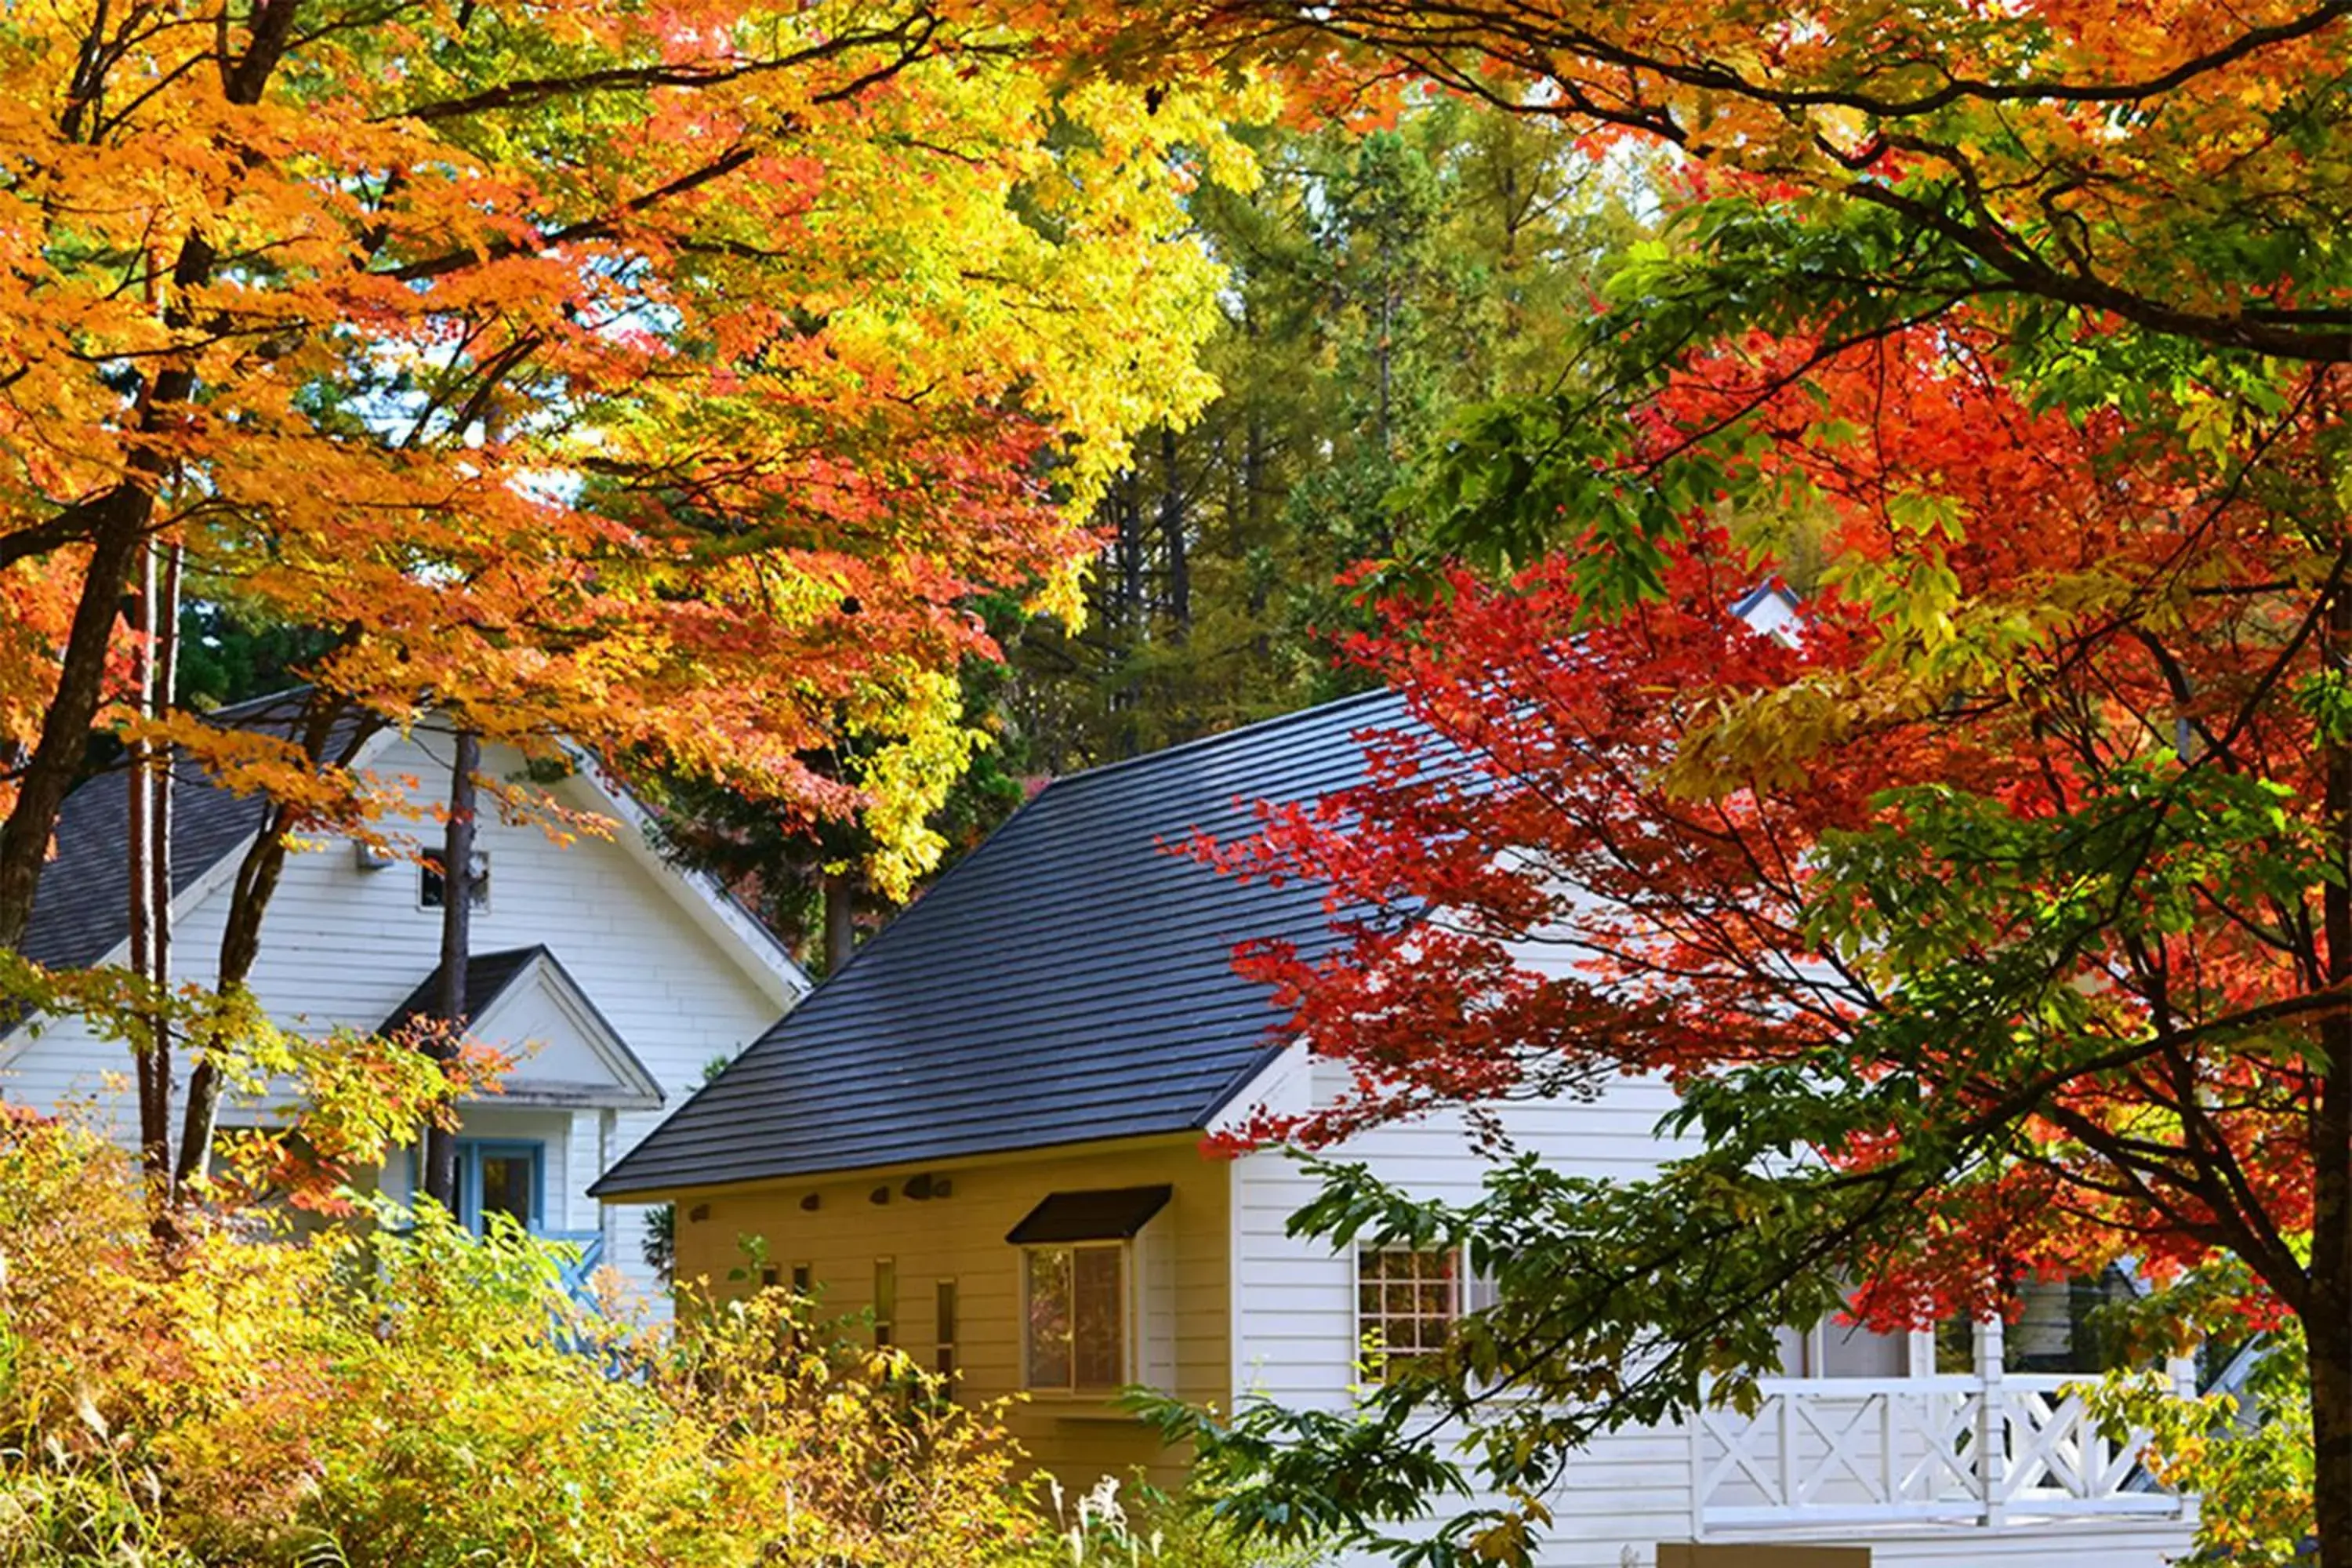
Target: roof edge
<point>604,1189</point>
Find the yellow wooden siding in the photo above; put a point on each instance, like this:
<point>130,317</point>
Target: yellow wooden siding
<point>1179,1293</point>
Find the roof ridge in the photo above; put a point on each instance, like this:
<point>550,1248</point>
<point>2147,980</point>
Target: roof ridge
<point>247,707</point>
<point>1200,742</point>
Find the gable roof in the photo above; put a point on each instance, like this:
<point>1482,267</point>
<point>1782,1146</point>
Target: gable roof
<point>614,1075</point>
<point>81,909</point>
<point>487,975</point>
<point>1069,980</point>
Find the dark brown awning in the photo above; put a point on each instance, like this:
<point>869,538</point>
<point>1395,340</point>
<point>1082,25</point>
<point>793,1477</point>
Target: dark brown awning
<point>1110,1214</point>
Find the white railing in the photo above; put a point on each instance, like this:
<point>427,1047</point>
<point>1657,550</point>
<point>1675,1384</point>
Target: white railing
<point>1981,1449</point>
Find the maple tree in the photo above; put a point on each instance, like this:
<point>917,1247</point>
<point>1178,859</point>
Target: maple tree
<point>1992,925</point>
<point>1999,923</point>
<point>659,380</point>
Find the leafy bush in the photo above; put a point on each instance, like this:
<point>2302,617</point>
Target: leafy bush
<point>395,1391</point>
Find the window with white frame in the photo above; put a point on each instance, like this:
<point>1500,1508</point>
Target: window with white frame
<point>1407,1301</point>
<point>433,887</point>
<point>1075,1323</point>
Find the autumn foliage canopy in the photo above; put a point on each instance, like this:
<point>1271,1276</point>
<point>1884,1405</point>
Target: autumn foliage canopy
<point>661,378</point>
<point>1992,916</point>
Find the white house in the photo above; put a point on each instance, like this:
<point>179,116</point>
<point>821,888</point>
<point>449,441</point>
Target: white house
<point>987,1130</point>
<point>615,975</point>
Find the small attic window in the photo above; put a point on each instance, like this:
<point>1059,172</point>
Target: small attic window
<point>432,888</point>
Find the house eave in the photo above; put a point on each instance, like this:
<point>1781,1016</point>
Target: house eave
<point>603,1191</point>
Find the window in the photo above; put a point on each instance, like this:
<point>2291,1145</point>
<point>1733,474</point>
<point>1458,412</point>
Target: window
<point>1406,1301</point>
<point>943,1358</point>
<point>432,890</point>
<point>1834,1349</point>
<point>508,1178</point>
<point>1076,1337</point>
<point>804,1277</point>
<point>2060,1326</point>
<point>886,1302</point>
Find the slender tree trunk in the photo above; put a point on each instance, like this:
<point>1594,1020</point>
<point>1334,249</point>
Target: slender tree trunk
<point>152,1059</point>
<point>1130,552</point>
<point>160,810</point>
<point>1172,542</point>
<point>257,879</point>
<point>2328,1324</point>
<point>457,935</point>
<point>155,657</point>
<point>840,923</point>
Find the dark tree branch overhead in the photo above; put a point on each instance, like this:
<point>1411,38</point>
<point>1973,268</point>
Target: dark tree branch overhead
<point>1598,76</point>
<point>911,36</point>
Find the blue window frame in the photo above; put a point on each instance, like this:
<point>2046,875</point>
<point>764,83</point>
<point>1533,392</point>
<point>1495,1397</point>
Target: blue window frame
<point>500,1174</point>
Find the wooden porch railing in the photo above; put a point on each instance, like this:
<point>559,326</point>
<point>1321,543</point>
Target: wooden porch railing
<point>1981,1448</point>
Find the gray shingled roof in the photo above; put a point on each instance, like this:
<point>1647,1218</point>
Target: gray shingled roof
<point>1069,980</point>
<point>81,910</point>
<point>487,975</point>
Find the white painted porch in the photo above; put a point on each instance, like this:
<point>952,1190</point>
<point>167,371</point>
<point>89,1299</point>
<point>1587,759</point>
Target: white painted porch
<point>1982,1449</point>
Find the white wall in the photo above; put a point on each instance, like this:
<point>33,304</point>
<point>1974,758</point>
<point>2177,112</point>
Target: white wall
<point>345,946</point>
<point>1295,1336</point>
<point>1294,1328</point>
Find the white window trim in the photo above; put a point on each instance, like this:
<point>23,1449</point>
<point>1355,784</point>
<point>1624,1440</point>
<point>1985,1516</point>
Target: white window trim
<point>1128,1316</point>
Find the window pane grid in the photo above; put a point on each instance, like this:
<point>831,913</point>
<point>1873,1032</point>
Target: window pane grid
<point>1406,1301</point>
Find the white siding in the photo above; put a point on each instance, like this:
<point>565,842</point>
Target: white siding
<point>345,946</point>
<point>1295,1336</point>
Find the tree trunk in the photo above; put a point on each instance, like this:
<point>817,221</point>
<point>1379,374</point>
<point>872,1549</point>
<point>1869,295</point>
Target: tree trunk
<point>49,774</point>
<point>151,1059</point>
<point>2327,1325</point>
<point>1130,513</point>
<point>2329,1332</point>
<point>840,923</point>
<point>154,657</point>
<point>1172,542</point>
<point>457,934</point>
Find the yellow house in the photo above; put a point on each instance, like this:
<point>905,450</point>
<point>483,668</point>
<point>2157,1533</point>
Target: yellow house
<point>987,1130</point>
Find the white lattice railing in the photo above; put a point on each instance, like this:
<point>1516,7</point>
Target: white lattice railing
<point>1960,1450</point>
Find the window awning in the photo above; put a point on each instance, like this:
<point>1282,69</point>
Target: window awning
<point>1107,1213</point>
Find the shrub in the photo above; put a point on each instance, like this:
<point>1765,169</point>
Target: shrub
<point>402,1393</point>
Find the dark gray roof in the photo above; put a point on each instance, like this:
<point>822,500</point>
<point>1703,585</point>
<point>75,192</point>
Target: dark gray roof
<point>487,975</point>
<point>81,910</point>
<point>1069,980</point>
